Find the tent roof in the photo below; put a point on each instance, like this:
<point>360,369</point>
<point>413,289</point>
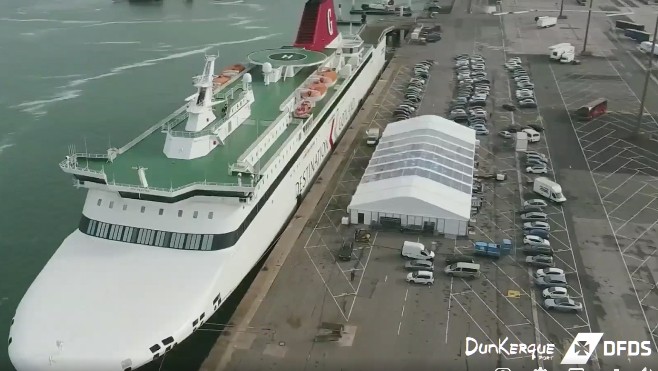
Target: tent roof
<point>428,159</point>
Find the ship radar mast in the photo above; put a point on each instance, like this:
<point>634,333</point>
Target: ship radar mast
<point>199,109</point>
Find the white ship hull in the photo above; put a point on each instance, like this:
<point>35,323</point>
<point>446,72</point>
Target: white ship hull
<point>165,289</point>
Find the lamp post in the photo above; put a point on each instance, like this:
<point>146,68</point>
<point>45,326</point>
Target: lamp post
<point>589,17</point>
<point>561,16</point>
<point>646,79</point>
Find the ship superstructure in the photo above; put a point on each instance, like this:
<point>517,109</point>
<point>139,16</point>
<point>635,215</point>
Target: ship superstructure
<point>175,219</point>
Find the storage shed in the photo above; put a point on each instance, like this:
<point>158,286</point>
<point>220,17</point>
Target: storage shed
<point>419,177</point>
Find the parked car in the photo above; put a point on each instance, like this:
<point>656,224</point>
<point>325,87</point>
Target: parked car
<point>346,249</point>
<point>531,208</point>
<point>535,240</point>
<point>477,127</point>
<point>542,233</point>
<point>551,281</point>
<point>419,265</point>
<point>540,261</point>
<point>536,169</point>
<point>534,216</point>
<point>549,272</point>
<point>535,202</point>
<point>505,134</point>
<point>459,258</point>
<point>563,305</point>
<point>537,225</point>
<point>555,293</point>
<point>421,277</point>
<point>527,103</point>
<point>529,250</point>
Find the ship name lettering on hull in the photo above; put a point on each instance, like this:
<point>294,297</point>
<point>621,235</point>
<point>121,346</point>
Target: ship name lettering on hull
<point>312,166</point>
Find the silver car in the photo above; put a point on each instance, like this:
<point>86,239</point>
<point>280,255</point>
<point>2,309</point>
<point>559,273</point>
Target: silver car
<point>551,281</point>
<point>563,305</point>
<point>534,216</point>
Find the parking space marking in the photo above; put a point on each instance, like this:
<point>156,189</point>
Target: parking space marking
<point>616,237</point>
<point>406,293</point>
<point>640,236</point>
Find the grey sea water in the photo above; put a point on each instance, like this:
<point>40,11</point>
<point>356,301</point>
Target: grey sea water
<point>96,73</point>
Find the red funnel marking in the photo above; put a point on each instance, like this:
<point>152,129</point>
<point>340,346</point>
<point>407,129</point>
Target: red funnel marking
<point>318,27</point>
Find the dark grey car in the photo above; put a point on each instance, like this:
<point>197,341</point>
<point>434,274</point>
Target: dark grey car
<point>532,250</point>
<point>419,265</point>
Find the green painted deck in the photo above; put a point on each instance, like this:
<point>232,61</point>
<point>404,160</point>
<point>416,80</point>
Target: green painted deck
<point>165,173</point>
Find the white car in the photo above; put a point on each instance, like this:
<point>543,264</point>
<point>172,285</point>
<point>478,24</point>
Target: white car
<point>555,293</point>
<point>535,241</point>
<point>537,225</point>
<point>541,156</point>
<point>505,134</point>
<point>536,169</point>
<point>535,202</point>
<point>510,66</point>
<point>549,272</point>
<point>516,60</point>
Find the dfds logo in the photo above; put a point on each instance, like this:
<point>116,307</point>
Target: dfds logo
<point>584,345</point>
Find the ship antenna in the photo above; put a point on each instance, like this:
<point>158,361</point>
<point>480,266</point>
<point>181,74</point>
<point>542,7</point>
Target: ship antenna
<point>86,152</point>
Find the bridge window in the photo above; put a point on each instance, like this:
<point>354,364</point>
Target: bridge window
<point>154,348</point>
<point>161,211</point>
<point>210,215</point>
<point>180,213</point>
<point>111,204</point>
<point>143,209</point>
<point>168,340</point>
<point>100,201</point>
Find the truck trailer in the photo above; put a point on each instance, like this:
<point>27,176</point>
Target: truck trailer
<point>564,53</point>
<point>545,22</point>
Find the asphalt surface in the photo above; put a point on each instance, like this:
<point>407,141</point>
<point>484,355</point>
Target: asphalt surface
<point>604,237</point>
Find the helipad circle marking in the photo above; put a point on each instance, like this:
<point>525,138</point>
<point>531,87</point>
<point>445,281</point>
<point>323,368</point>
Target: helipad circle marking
<point>289,56</point>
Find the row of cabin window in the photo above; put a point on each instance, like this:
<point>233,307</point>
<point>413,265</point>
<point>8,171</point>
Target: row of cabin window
<point>143,236</point>
<point>195,214</point>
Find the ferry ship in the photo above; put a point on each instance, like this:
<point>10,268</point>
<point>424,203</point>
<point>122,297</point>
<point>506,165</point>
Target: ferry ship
<point>174,220</point>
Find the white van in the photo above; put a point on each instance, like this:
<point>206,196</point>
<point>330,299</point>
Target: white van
<point>422,277</point>
<point>416,250</point>
<point>548,189</point>
<point>463,270</point>
<point>533,135</point>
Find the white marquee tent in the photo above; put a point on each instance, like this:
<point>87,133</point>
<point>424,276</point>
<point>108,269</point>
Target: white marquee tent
<point>421,174</point>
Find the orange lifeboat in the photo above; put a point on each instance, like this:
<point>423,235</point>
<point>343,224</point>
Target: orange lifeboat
<point>318,86</point>
<point>303,110</point>
<point>331,76</point>
<point>221,80</point>
<point>233,70</point>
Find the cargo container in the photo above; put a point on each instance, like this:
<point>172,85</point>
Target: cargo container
<point>593,109</point>
<point>636,35</point>
<point>624,25</point>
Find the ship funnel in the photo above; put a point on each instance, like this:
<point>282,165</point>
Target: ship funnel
<point>318,27</point>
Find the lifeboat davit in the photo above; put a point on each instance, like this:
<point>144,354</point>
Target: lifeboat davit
<point>303,110</point>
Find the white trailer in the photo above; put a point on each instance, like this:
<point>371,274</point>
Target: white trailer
<point>549,189</point>
<point>545,22</point>
<point>564,52</point>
